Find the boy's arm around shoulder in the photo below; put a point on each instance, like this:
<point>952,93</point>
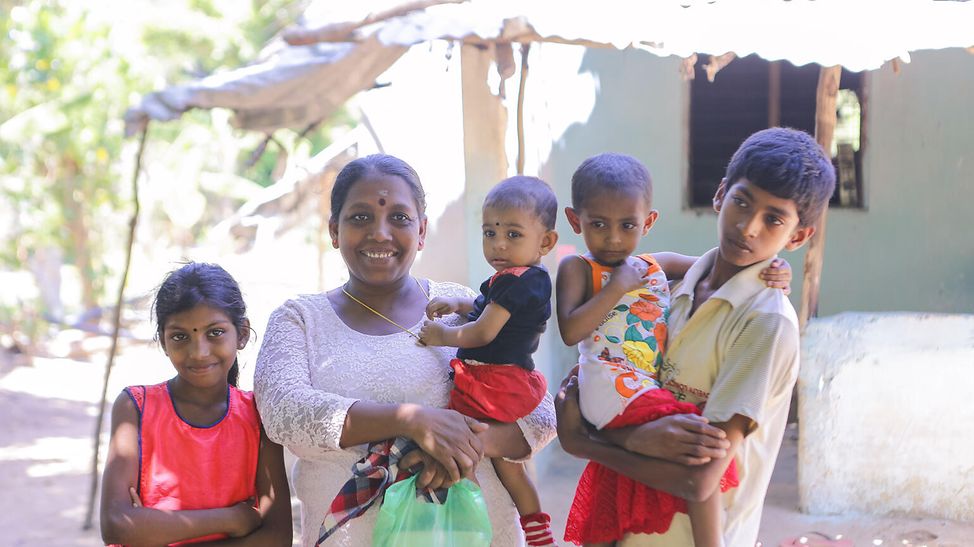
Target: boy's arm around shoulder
<point>674,265</point>
<point>777,275</point>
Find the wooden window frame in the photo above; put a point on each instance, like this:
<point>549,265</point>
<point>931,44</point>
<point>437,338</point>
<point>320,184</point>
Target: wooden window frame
<point>859,83</point>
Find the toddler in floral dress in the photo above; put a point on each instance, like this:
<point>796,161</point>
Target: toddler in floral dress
<point>615,306</point>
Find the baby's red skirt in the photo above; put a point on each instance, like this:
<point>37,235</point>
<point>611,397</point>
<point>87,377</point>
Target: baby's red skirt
<point>609,505</point>
<point>502,393</point>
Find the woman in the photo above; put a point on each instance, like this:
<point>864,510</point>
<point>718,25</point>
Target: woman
<point>342,369</point>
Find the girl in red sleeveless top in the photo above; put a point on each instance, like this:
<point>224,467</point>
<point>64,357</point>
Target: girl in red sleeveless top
<point>188,460</point>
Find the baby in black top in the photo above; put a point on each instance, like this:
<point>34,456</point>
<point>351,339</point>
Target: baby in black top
<point>494,376</point>
<point>525,292</point>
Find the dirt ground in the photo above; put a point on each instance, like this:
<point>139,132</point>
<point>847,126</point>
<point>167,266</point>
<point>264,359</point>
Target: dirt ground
<point>47,416</point>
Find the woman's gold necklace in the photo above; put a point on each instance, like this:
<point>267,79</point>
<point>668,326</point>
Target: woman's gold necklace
<point>371,309</point>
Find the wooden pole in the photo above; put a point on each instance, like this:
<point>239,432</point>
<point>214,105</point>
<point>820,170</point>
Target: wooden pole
<point>484,152</point>
<point>688,67</point>
<point>116,322</point>
<point>525,48</point>
<point>326,181</point>
<point>716,63</point>
<point>825,120</point>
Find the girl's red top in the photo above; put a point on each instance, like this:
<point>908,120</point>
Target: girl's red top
<point>190,466</point>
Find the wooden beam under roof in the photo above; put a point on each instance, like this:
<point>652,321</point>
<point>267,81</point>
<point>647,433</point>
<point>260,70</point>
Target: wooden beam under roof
<point>825,120</point>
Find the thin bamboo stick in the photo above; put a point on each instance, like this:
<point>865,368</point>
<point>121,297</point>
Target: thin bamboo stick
<point>525,48</point>
<point>345,30</point>
<point>116,322</point>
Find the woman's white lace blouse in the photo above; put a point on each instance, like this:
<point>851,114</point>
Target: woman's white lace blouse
<point>312,367</point>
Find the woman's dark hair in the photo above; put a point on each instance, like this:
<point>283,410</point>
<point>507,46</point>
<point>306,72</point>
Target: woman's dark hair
<point>200,283</point>
<point>376,163</point>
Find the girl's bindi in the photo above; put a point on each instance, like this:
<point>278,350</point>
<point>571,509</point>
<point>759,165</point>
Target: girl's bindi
<point>382,202</point>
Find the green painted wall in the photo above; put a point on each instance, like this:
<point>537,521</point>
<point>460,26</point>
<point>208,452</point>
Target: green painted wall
<point>918,178</point>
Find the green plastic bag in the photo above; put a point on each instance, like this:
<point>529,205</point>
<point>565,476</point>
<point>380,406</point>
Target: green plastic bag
<point>408,520</point>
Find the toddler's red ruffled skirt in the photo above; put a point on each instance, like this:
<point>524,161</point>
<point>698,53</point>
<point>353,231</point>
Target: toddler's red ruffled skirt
<point>609,505</point>
<point>503,393</point>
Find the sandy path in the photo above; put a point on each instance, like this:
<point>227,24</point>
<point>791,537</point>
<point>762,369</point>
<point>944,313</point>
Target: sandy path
<point>48,414</point>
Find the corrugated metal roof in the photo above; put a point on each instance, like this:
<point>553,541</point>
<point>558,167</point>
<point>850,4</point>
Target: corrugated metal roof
<point>298,85</point>
<point>294,87</point>
<point>857,34</point>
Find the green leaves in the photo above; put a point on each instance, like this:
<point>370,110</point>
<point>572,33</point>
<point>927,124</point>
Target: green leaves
<point>70,71</point>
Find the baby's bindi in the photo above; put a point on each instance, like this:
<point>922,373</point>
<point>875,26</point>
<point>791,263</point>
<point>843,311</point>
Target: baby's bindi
<point>382,202</point>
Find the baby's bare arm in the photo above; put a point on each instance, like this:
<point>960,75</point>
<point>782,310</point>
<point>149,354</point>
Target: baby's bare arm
<point>445,305</point>
<point>471,335</point>
<point>579,313</point>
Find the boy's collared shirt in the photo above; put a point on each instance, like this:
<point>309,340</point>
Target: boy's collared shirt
<point>738,353</point>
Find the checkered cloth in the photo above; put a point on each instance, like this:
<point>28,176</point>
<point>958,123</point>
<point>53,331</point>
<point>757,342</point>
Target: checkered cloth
<point>370,477</point>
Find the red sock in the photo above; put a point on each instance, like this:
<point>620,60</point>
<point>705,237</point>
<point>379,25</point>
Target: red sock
<point>536,529</point>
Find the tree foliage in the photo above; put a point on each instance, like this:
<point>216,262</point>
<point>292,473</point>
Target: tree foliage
<point>71,70</point>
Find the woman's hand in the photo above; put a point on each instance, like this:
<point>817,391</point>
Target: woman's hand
<point>432,475</point>
<point>448,437</point>
<point>680,438</point>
